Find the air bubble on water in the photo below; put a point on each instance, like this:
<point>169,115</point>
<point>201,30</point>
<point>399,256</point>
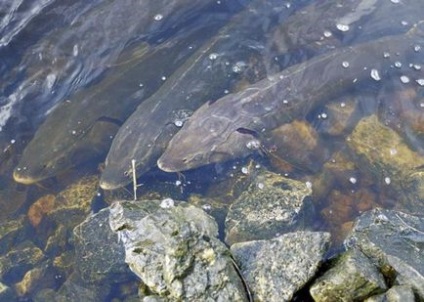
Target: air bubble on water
<point>404,79</point>
<point>393,151</point>
<point>345,64</point>
<point>75,50</point>
<point>238,67</point>
<point>324,115</point>
<point>417,48</point>
<point>257,166</point>
<point>213,56</point>
<point>285,102</point>
<point>207,207</point>
<point>386,55</point>
<point>342,104</point>
<point>167,203</point>
<point>327,34</point>
<point>178,183</point>
<point>387,180</point>
<point>74,132</point>
<point>261,186</point>
<point>245,170</point>
<point>158,17</point>
<point>353,180</point>
<point>342,27</point>
<point>375,74</point>
<point>163,78</point>
<point>226,91</point>
<point>141,85</point>
<point>288,5</point>
<point>308,184</point>
<point>253,145</point>
<point>398,64</point>
<point>178,123</point>
<point>404,23</point>
<point>395,1</point>
<point>416,66</point>
<point>420,82</point>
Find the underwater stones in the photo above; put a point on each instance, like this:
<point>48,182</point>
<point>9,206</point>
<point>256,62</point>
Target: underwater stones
<point>277,268</point>
<point>353,278</point>
<point>382,152</point>
<point>97,261</point>
<point>174,250</point>
<point>271,205</point>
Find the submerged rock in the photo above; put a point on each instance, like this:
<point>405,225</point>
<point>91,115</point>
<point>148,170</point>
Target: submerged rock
<point>396,167</point>
<point>101,257</point>
<point>174,250</point>
<point>276,269</point>
<point>393,240</point>
<point>272,204</point>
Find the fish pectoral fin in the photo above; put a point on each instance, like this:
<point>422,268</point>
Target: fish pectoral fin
<point>112,120</point>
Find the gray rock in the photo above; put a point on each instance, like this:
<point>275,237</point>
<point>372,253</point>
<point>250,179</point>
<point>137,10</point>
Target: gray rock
<point>174,250</point>
<point>398,293</point>
<point>353,278</point>
<point>101,258</point>
<point>275,269</point>
<point>75,289</point>
<point>271,205</point>
<point>393,240</point>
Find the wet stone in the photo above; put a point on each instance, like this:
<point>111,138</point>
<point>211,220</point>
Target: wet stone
<point>397,293</point>
<point>396,167</point>
<point>72,205</point>
<point>174,250</point>
<point>271,205</point>
<point>101,257</point>
<point>276,269</point>
<point>74,289</point>
<point>36,278</point>
<point>393,240</point>
<point>19,260</point>
<point>6,293</point>
<point>11,232</point>
<point>353,278</point>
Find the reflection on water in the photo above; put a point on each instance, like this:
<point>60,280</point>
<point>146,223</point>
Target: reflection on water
<point>82,68</point>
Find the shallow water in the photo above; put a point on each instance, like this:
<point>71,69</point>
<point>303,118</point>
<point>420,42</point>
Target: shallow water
<point>50,50</point>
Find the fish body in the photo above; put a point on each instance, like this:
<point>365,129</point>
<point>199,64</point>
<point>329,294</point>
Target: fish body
<point>236,53</point>
<point>82,128</point>
<point>233,126</point>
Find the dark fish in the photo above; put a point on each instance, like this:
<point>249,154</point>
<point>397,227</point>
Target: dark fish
<point>233,126</point>
<point>82,128</point>
<point>236,53</point>
<point>76,54</point>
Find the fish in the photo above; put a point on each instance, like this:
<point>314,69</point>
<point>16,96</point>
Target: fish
<point>81,128</point>
<point>235,126</point>
<point>235,54</point>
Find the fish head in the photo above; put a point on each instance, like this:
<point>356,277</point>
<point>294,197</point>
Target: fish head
<point>204,139</point>
<point>56,149</point>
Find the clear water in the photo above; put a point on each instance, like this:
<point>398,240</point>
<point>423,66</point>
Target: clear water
<point>50,50</point>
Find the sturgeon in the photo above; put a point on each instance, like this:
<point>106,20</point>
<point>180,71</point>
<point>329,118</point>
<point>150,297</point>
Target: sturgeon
<point>82,128</point>
<point>235,125</point>
<point>237,53</point>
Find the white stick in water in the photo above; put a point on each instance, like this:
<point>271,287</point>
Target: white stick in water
<point>134,179</point>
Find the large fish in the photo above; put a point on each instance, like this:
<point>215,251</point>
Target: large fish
<point>82,128</point>
<point>233,126</point>
<point>236,53</point>
<point>71,56</point>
